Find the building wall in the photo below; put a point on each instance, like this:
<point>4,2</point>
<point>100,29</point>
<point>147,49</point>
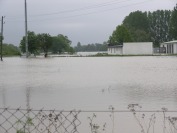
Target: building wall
<point>138,48</point>
<point>115,51</point>
<point>175,48</point>
<point>171,48</point>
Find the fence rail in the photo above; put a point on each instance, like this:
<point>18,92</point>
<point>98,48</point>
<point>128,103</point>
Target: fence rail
<point>77,121</point>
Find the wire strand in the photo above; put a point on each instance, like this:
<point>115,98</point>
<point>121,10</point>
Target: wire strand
<point>89,13</point>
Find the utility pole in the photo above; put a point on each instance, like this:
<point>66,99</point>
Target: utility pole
<point>26,30</point>
<point>2,23</point>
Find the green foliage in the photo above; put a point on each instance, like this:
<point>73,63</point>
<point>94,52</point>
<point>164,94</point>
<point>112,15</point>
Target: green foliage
<point>159,26</point>
<point>79,47</point>
<point>137,20</point>
<point>33,46</point>
<point>61,44</point>
<point>28,122</point>
<point>173,24</point>
<point>10,50</point>
<point>140,36</point>
<point>151,26</point>
<point>45,42</point>
<point>91,47</point>
<point>101,54</point>
<point>120,35</point>
<point>20,131</point>
<point>138,25</point>
<point>71,50</point>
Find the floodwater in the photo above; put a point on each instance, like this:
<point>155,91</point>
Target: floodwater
<point>89,83</point>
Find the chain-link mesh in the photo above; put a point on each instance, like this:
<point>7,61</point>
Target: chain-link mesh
<point>38,121</point>
<point>112,121</point>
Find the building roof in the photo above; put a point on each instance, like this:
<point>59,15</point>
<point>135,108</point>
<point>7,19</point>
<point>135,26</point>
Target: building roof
<point>174,41</point>
<point>115,46</point>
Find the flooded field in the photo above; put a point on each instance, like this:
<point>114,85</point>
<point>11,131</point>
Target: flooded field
<point>89,83</point>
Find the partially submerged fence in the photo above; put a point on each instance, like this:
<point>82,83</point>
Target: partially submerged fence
<point>111,121</point>
<point>40,121</point>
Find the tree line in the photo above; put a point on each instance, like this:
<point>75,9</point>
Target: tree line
<point>10,50</point>
<point>91,47</point>
<point>45,43</point>
<point>157,26</point>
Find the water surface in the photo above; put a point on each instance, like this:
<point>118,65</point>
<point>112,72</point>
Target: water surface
<point>89,83</point>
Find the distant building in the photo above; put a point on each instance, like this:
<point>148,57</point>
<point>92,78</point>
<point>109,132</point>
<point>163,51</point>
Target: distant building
<point>159,50</point>
<point>169,47</point>
<point>115,50</point>
<point>134,48</point>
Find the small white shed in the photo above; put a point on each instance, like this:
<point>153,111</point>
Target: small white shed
<point>170,47</point>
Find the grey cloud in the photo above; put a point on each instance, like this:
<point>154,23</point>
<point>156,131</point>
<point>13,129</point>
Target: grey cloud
<point>70,17</point>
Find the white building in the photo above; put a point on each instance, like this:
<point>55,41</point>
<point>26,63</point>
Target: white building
<point>170,47</point>
<point>134,48</point>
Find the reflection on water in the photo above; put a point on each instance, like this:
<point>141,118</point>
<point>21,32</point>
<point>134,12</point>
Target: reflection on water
<point>89,83</point>
<point>2,89</point>
<point>28,98</point>
<point>4,97</point>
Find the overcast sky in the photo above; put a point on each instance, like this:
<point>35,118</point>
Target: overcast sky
<point>85,21</point>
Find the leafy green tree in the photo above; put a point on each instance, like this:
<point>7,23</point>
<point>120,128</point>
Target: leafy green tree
<point>138,25</point>
<point>120,35</point>
<point>71,50</point>
<point>33,46</point>
<point>173,24</point>
<point>140,36</point>
<point>137,20</point>
<point>159,26</point>
<point>45,42</point>
<point>61,44</point>
<point>56,45</point>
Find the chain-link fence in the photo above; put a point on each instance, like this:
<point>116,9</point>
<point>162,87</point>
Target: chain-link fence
<point>40,121</point>
<point>111,121</point>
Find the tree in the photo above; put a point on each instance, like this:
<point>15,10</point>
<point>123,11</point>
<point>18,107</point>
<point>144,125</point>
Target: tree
<point>140,36</point>
<point>138,25</point>
<point>71,50</point>
<point>137,20</point>
<point>61,44</point>
<point>45,42</point>
<point>10,50</point>
<point>120,35</point>
<point>173,23</point>
<point>159,26</point>
<point>33,46</point>
<point>78,47</point>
